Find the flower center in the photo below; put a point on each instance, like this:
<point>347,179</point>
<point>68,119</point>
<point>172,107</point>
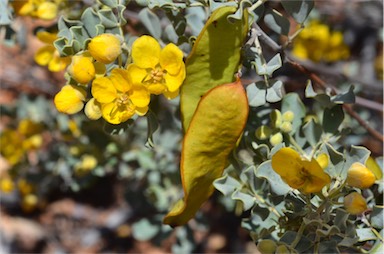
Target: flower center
<point>157,75</point>
<point>122,100</point>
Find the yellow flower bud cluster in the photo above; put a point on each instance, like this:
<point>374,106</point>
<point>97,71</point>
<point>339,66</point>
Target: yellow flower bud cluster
<point>41,9</point>
<point>27,137</point>
<point>123,92</point>
<point>29,200</point>
<point>318,43</point>
<point>279,124</point>
<point>48,55</point>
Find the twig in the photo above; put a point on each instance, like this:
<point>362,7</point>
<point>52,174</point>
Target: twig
<point>347,108</point>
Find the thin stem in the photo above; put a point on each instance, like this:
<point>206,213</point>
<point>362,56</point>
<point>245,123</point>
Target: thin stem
<point>297,146</point>
<point>256,5</point>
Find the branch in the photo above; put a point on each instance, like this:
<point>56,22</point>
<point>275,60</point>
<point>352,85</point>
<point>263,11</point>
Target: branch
<point>347,108</point>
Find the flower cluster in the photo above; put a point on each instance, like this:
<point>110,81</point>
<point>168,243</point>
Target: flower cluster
<point>27,137</point>
<point>308,176</point>
<point>318,43</point>
<point>279,124</point>
<point>123,92</point>
<point>42,9</point>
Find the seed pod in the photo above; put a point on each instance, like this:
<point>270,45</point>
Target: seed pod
<point>213,132</point>
<point>214,59</point>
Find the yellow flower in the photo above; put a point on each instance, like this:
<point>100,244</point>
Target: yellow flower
<point>306,176</point>
<point>87,163</point>
<point>48,55</point>
<point>82,69</point>
<point>316,42</point>
<point>119,97</point>
<point>29,128</point>
<point>360,176</point>
<point>25,187</point>
<point>105,48</point>
<point>6,185</point>
<point>43,9</point>
<point>160,70</point>
<point>47,10</point>
<point>13,152</point>
<point>354,203</point>
<point>70,99</point>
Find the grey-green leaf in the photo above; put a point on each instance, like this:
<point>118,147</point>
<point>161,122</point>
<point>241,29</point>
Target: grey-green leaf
<point>298,9</point>
<point>151,22</point>
<point>277,22</point>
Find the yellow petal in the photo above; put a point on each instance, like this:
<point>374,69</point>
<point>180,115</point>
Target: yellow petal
<point>156,88</point>
<point>136,74</point>
<point>105,48</point>
<point>116,115</point>
<point>374,167</point>
<point>44,55</point>
<point>103,90</point>
<point>120,80</point>
<point>174,82</point>
<point>316,179</point>
<point>141,111</point>
<point>171,95</point>
<point>287,163</point>
<point>58,63</point>
<point>26,9</point>
<point>47,10</point>
<point>323,160</point>
<point>92,109</point>
<point>46,37</point>
<point>171,59</point>
<point>146,52</point>
<point>140,96</point>
<point>70,99</point>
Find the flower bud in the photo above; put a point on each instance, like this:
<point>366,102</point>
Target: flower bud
<point>354,203</point>
<point>105,48</point>
<point>29,203</point>
<point>360,176</point>
<point>286,127</point>
<point>93,109</point>
<point>6,185</point>
<point>70,99</point>
<point>263,132</point>
<point>288,116</point>
<point>276,139</point>
<point>82,69</point>
<point>323,160</point>
<point>275,118</point>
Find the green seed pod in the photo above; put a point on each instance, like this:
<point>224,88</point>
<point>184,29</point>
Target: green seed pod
<point>263,132</point>
<point>275,119</point>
